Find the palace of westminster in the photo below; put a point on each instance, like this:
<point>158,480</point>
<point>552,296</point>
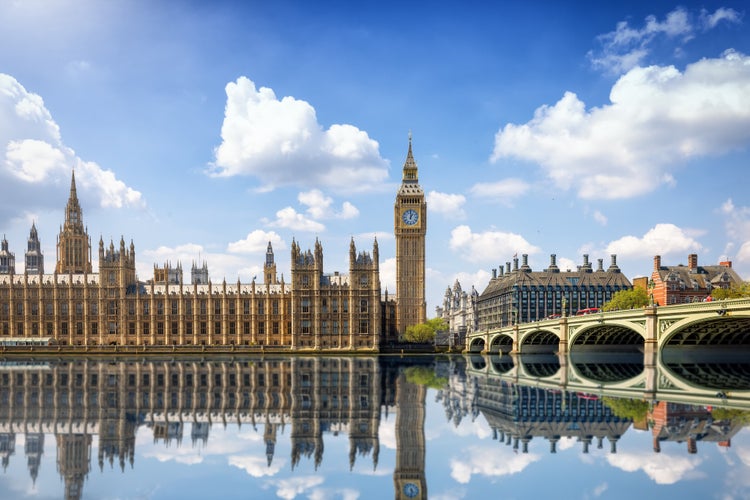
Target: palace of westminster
<point>77,306</point>
<point>315,311</point>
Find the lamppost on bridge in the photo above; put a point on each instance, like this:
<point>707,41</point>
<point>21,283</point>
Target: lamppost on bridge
<point>651,286</point>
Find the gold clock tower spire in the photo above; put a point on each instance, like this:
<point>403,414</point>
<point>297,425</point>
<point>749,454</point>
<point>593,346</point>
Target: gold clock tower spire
<point>410,227</point>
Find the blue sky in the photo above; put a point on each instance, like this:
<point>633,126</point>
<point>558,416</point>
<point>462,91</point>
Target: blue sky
<point>203,130</point>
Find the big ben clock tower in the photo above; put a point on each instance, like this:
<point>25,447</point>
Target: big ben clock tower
<point>410,227</point>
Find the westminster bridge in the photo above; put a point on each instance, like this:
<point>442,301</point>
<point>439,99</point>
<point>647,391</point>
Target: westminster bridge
<point>688,353</point>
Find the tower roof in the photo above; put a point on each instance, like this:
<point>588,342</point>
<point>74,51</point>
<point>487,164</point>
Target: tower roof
<point>73,193</point>
<point>410,177</point>
<point>410,166</point>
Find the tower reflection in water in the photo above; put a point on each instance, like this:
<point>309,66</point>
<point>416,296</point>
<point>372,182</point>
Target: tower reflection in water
<point>79,402</point>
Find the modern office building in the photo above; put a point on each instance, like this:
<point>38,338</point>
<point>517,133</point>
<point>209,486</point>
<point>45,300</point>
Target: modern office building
<point>519,294</point>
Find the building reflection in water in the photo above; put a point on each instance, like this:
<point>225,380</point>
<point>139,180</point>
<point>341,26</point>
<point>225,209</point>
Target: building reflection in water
<point>518,413</point>
<point>80,401</point>
<point>112,400</point>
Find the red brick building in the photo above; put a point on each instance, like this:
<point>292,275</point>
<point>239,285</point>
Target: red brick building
<point>692,283</point>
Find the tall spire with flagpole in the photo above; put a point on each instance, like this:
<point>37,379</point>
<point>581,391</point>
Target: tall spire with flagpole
<point>73,243</point>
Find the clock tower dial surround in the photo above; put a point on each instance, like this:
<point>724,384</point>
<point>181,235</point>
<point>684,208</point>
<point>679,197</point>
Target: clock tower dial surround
<point>410,228</point>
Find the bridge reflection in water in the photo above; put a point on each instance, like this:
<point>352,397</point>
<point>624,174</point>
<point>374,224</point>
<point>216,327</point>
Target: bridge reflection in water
<point>520,409</point>
<point>93,409</point>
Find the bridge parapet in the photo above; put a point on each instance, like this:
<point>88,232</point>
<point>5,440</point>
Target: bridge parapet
<point>655,325</point>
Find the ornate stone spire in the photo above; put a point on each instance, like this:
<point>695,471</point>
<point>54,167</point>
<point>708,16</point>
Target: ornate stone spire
<point>73,244</point>
<point>410,173</point>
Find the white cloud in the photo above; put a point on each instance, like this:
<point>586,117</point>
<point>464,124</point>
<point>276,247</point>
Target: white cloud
<point>289,218</point>
<point>566,264</point>
<point>319,206</point>
<point>488,246</point>
<point>343,494</point>
<point>710,21</point>
<point>489,463</point>
<point>658,119</point>
<point>257,242</point>
<point>448,204</point>
<point>33,156</point>
<point>504,191</point>
<point>222,443</point>
<point>280,142</point>
<point>290,488</point>
<point>600,218</point>
<point>220,266</point>
<point>737,223</point>
<point>478,280</point>
<point>743,254</point>
<point>627,47</point>
<point>256,466</point>
<point>662,239</point>
<point>388,276</point>
<point>661,468</point>
<point>600,489</point>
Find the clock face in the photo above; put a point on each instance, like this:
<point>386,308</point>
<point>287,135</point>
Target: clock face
<point>411,490</point>
<point>410,217</point>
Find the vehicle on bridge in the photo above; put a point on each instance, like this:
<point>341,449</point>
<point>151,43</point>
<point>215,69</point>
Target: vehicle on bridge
<point>588,310</point>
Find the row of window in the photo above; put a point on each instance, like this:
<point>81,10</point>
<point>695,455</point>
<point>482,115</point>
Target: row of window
<point>274,328</point>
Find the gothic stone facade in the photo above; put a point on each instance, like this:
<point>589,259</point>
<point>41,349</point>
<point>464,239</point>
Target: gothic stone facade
<point>76,306</point>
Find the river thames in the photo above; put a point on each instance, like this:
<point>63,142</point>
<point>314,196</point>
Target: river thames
<point>373,427</point>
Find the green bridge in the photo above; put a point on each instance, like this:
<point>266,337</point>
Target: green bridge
<point>686,353</point>
<point>650,329</point>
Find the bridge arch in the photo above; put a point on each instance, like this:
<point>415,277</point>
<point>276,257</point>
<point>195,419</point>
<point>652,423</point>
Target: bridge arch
<point>539,342</point>
<point>606,336</point>
<point>714,330</point>
<point>501,344</point>
<point>501,365</point>
<point>476,345</point>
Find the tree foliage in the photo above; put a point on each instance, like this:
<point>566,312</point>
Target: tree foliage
<point>736,291</point>
<point>422,375</point>
<point>633,409</point>
<point>627,299</point>
<point>437,324</point>
<point>419,333</point>
<point>731,414</point>
<point>424,332</point>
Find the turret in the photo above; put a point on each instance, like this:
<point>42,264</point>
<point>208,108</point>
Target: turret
<point>7,259</point>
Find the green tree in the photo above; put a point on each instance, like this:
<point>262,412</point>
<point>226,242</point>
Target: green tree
<point>731,414</point>
<point>633,409</point>
<point>627,299</point>
<point>736,291</point>
<point>425,332</point>
<point>419,333</point>
<point>425,376</point>
<point>437,324</point>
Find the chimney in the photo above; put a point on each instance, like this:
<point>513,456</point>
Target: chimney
<point>657,262</point>
<point>600,267</point>
<point>515,263</point>
<point>494,273</point>
<point>507,268</point>
<point>525,267</point>
<point>553,264</point>
<point>693,261</point>
<point>613,264</point>
<point>726,263</point>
